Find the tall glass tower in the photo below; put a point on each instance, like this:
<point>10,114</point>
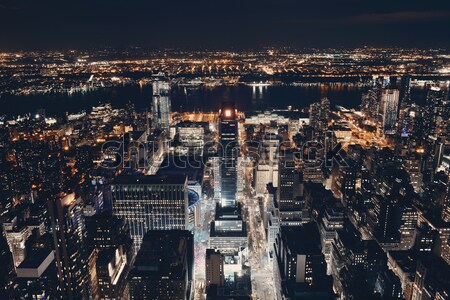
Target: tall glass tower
<point>389,102</point>
<point>161,103</point>
<point>229,152</point>
<point>69,236</point>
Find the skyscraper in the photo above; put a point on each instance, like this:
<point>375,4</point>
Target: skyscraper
<point>319,114</point>
<point>37,276</point>
<point>7,270</point>
<point>214,267</point>
<point>163,267</point>
<point>229,152</point>
<point>346,181</point>
<point>301,263</point>
<point>112,254</point>
<point>150,203</point>
<point>69,235</point>
<point>288,180</point>
<point>436,111</point>
<point>389,109</point>
<point>369,104</point>
<point>289,192</point>
<point>161,103</point>
<point>112,269</point>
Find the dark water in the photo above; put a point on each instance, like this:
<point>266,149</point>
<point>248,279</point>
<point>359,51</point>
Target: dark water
<point>186,99</point>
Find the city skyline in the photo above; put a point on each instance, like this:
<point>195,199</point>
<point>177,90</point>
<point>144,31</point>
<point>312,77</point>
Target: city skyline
<point>225,150</point>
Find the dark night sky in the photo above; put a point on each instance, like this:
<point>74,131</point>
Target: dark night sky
<point>30,24</point>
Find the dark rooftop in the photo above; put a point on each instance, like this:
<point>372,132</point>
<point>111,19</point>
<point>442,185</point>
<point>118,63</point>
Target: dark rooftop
<point>35,259</point>
<point>174,165</point>
<point>150,179</point>
<point>163,254</point>
<point>303,239</point>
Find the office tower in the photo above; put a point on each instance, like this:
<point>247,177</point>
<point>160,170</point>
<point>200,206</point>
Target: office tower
<point>112,248</point>
<point>216,164</point>
<point>36,276</point>
<point>267,169</point>
<point>7,269</point>
<point>228,153</point>
<point>411,164</point>
<point>106,231</point>
<point>432,279</point>
<point>19,227</point>
<point>214,268</point>
<point>405,105</point>
<point>436,112</point>
<point>190,137</point>
<point>69,235</point>
<point>111,272</point>
<point>408,224</point>
<point>314,116</point>
<point>354,260</point>
<point>288,181</point>
<point>289,192</point>
<point>319,114</point>
<point>389,109</point>
<point>425,238</point>
<point>163,266</point>
<point>393,221</point>
<point>388,285</point>
<point>301,263</point>
<point>150,203</point>
<point>271,220</point>
<point>346,181</point>
<point>369,105</point>
<point>228,230</point>
<point>445,213</point>
<point>161,103</point>
<point>331,222</point>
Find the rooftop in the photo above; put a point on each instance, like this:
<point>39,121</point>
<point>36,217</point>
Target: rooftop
<point>151,179</point>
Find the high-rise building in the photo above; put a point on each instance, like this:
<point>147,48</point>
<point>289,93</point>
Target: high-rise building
<point>163,266</point>
<point>301,263</point>
<point>228,153</point>
<point>228,230</point>
<point>432,279</point>
<point>436,112</point>
<point>36,276</point>
<point>111,245</point>
<point>389,109</point>
<point>350,255</point>
<point>425,238</point>
<point>69,235</point>
<point>369,105</point>
<point>7,270</point>
<point>405,105</point>
<point>289,192</point>
<point>346,181</point>
<point>393,221</point>
<point>445,214</point>
<point>161,103</point>
<point>332,221</point>
<point>214,268</point>
<point>18,229</point>
<point>151,203</point>
<point>106,231</point>
<point>319,114</point>
<point>288,182</point>
<point>411,164</point>
<point>111,270</point>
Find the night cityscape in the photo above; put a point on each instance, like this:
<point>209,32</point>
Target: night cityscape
<point>211,150</point>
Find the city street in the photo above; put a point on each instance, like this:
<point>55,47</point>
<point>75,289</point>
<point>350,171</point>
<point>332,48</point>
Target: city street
<point>201,237</point>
